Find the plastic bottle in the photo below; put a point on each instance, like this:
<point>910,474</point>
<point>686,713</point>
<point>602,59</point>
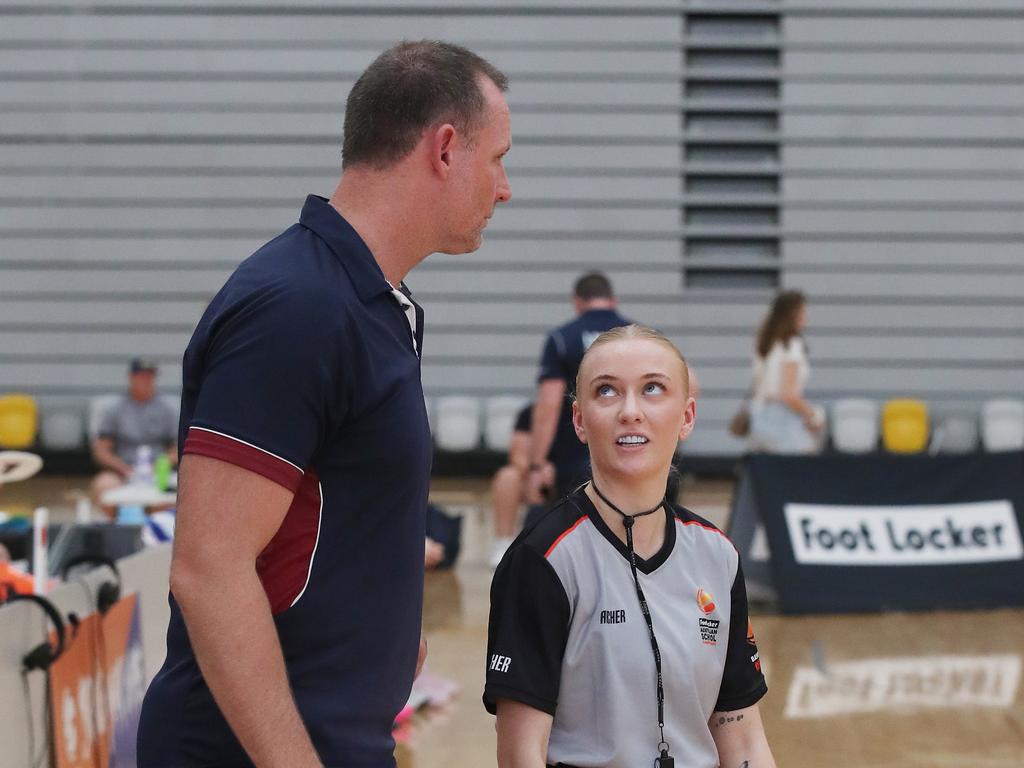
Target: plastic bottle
<point>162,472</point>
<point>142,471</point>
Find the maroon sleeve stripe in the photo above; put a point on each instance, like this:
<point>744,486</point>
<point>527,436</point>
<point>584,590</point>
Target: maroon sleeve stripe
<point>216,445</point>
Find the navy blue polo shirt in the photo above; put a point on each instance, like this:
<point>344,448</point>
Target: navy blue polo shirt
<point>303,369</point>
<point>561,358</point>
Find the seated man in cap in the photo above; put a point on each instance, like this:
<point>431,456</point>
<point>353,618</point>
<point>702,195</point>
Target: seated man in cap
<point>138,421</point>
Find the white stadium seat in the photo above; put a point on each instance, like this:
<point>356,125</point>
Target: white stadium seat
<point>500,420</point>
<point>855,425</point>
<point>458,423</point>
<point>61,431</point>
<point>955,434</point>
<point>1002,425</point>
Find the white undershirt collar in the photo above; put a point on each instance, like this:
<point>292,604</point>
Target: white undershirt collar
<point>408,308</point>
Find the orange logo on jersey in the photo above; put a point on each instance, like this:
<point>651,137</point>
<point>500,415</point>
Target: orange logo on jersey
<point>756,658</point>
<point>705,601</point>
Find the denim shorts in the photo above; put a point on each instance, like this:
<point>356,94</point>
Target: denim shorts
<point>776,428</point>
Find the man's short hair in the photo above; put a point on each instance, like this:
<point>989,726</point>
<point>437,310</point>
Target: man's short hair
<point>593,285</point>
<point>407,89</point>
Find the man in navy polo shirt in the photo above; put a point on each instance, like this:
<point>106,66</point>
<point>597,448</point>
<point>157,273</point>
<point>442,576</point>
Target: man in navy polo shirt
<point>297,576</point>
<point>558,460</point>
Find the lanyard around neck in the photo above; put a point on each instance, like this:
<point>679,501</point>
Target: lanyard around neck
<point>627,521</point>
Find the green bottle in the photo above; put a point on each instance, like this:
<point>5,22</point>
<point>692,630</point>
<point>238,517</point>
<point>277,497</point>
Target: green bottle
<point>162,471</point>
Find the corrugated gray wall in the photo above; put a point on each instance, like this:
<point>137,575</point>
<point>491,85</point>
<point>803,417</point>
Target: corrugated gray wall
<point>146,148</point>
<point>903,196</point>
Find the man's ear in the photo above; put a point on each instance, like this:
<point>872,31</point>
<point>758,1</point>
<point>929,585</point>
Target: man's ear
<point>442,141</point>
<point>577,422</point>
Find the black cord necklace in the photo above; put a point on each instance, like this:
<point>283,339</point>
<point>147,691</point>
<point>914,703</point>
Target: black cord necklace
<point>664,760</point>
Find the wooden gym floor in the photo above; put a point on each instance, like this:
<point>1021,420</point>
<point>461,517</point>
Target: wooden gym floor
<point>935,690</point>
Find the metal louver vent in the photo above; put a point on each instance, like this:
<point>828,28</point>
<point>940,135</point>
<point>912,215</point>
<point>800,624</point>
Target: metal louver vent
<point>730,120</point>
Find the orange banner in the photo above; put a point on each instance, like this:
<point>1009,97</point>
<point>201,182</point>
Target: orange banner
<point>96,690</point>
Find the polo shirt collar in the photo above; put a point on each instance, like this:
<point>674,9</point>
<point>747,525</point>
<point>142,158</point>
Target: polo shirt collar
<point>346,244</point>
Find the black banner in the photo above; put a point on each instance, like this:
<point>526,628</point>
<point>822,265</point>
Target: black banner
<point>747,532</point>
<point>885,532</point>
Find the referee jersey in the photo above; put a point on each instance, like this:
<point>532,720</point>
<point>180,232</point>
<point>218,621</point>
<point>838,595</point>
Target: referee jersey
<point>566,636</point>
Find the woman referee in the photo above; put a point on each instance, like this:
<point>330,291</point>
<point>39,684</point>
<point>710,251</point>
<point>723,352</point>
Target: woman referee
<point>618,630</point>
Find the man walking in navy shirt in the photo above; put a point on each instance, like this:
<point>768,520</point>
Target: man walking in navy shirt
<point>297,576</point>
<point>558,460</point>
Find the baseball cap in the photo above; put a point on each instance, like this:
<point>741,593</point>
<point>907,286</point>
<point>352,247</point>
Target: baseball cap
<point>143,365</point>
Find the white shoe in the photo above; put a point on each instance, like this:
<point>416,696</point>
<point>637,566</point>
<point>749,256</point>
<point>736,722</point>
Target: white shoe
<point>501,545</point>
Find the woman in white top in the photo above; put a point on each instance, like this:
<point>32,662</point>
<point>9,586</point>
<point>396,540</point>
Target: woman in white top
<point>781,419</point>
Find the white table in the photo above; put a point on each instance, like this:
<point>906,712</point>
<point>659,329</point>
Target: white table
<point>138,495</point>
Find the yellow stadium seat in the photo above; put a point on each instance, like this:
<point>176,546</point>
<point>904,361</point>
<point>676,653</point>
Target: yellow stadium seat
<point>905,426</point>
<point>19,421</point>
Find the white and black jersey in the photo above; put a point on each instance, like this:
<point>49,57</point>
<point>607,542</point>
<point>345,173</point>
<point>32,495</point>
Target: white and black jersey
<point>566,636</point>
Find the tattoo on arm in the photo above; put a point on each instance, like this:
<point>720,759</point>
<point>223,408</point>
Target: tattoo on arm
<point>745,764</point>
<point>725,720</point>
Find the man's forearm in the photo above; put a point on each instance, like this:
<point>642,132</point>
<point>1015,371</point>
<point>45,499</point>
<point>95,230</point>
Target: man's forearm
<point>542,433</point>
<point>107,459</point>
<point>235,642</point>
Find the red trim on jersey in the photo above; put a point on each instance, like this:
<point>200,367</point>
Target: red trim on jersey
<point>706,528</point>
<point>283,565</point>
<point>565,533</point>
<point>203,442</point>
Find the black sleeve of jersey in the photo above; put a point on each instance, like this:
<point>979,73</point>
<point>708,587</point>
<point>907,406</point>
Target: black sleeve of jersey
<point>524,419</point>
<point>743,685</point>
<point>526,633</point>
